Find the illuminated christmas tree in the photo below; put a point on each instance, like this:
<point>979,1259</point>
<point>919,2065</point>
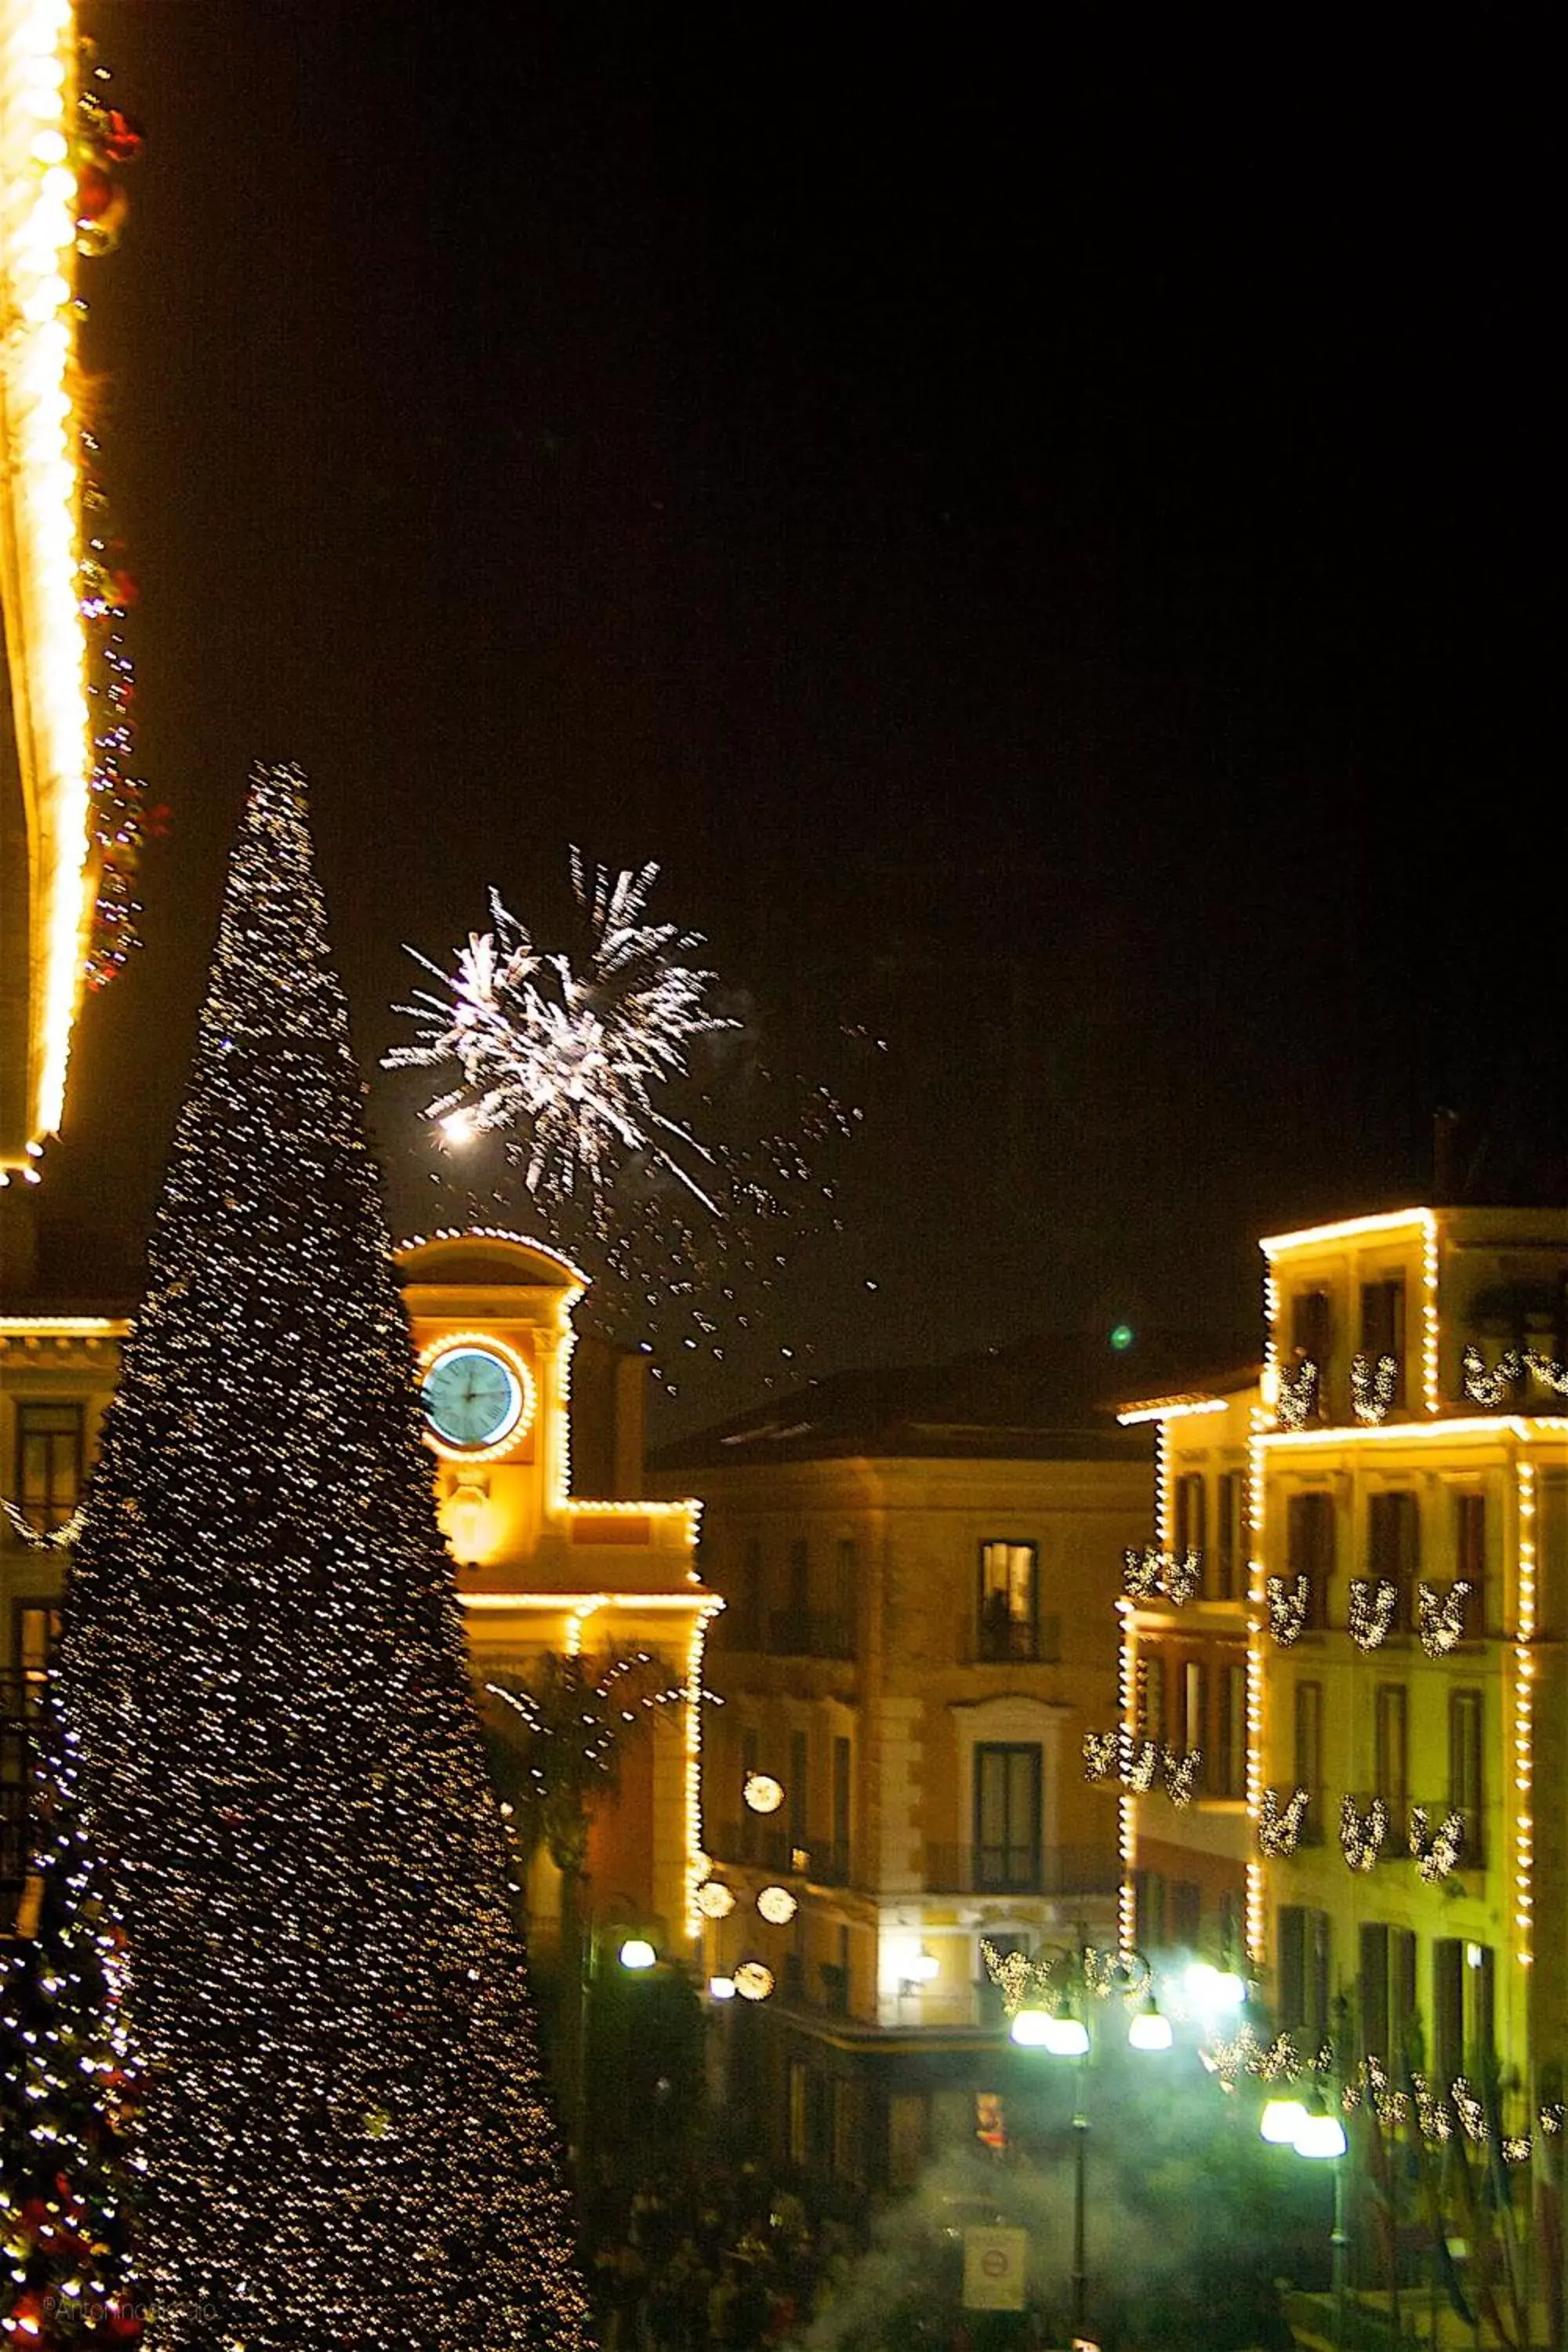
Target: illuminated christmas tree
<point>67,2105</point>
<point>344,2133</point>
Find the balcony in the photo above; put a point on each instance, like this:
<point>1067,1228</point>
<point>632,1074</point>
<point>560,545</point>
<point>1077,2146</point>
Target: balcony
<point>803,1634</point>
<point>1011,1640</point>
<point>756,1844</point>
<point>1057,1870</point>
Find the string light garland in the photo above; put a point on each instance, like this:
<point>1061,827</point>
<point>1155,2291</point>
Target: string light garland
<point>1372,1387</point>
<point>1440,1616</point>
<point>1500,1385</point>
<point>1137,1764</point>
<point>1435,1851</point>
<point>1524,1721</point>
<point>59,1538</point>
<point>1362,1836</point>
<point>1373,1606</point>
<point>1279,1826</point>
<point>1149,1573</point>
<point>1288,1600</point>
<point>346,2136</point>
<point>1436,2114</point>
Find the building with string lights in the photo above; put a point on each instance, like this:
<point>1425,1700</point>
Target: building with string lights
<point>920,1569</point>
<point>1343,1696</point>
<point>536,1444</point>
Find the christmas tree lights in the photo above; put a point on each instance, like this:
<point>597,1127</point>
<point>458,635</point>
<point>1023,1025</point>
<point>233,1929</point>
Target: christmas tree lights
<point>67,2100</point>
<point>344,2136</point>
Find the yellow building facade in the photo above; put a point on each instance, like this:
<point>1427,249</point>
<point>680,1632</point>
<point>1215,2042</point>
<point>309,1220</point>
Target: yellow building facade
<point>1373,1824</point>
<point>510,1398</point>
<point>917,1634</point>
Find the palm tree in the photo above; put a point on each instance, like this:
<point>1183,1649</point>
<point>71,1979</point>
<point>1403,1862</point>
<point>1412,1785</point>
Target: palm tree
<point>557,1745</point>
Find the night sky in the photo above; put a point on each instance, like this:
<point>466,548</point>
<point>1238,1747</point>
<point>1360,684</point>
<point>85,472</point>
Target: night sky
<point>1047,545</point>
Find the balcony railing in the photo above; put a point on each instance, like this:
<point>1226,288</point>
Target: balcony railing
<point>1055,1870</point>
<point>1006,1641</point>
<point>756,1844</point>
<point>803,1634</point>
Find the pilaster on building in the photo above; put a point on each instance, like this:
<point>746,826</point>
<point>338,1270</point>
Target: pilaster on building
<point>1342,1686</point>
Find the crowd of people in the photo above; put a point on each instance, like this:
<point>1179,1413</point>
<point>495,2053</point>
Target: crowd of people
<point>728,2260</point>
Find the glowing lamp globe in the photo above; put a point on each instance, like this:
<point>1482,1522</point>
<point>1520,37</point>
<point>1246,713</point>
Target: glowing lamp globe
<point>1281,2122</point>
<point>754,1981</point>
<point>924,1968</point>
<point>1067,2037</point>
<point>1149,2031</point>
<point>721,1988</point>
<point>637,1952</point>
<point>714,1899</point>
<point>1228,1990</point>
<point>1028,2029</point>
<point>763,1793</point>
<point>1322,2136</point>
<point>777,1905</point>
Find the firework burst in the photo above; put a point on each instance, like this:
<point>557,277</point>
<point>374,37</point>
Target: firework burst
<point>658,1150</point>
<point>570,1061</point>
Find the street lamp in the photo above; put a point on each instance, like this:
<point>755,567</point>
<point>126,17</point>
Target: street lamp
<point>1316,2133</point>
<point>1050,1999</point>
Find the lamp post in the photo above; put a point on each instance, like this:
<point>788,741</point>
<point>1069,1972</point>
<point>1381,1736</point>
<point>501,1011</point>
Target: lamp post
<point>1050,1999</point>
<point>1317,2133</point>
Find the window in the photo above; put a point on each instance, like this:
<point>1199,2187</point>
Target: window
<point>37,1625</point>
<point>747,1598</point>
<point>1186,1913</point>
<point>1312,1330</point>
<point>1391,1750</point>
<point>843,1784</point>
<point>1393,1547</point>
<point>846,1583</point>
<point>1466,1792</point>
<point>847,2133</point>
<point>1008,1819</point>
<point>1386,1984</point>
<point>1230,1775</point>
<point>1471,1556</point>
<point>1192,1500</point>
<point>1195,1708</point>
<point>1382,1327</point>
<point>1303,1939</point>
<point>1148,1898</point>
<point>797,2095</point>
<point>1007,1599</point>
<point>1230,1546</point>
<point>48,1461</point>
<point>1310,1549</point>
<point>1464,1994</point>
<point>1152,1693</point>
<point>799,1790</point>
<point>1309,1753</point>
<point>751,1835</point>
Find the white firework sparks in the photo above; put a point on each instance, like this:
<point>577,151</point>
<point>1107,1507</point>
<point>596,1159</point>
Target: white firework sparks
<point>569,1062</point>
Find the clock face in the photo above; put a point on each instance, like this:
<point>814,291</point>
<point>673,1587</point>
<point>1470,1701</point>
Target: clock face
<point>472,1398</point>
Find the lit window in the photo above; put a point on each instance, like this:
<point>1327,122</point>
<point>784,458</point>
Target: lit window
<point>1007,1599</point>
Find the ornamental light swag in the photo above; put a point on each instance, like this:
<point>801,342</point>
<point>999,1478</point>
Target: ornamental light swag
<point>1149,1573</point>
<point>1289,1600</point>
<point>1362,1836</point>
<point>1373,1606</point>
<point>1373,1386</point>
<point>1279,1826</point>
<point>1297,1398</point>
<point>1440,1616</point>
